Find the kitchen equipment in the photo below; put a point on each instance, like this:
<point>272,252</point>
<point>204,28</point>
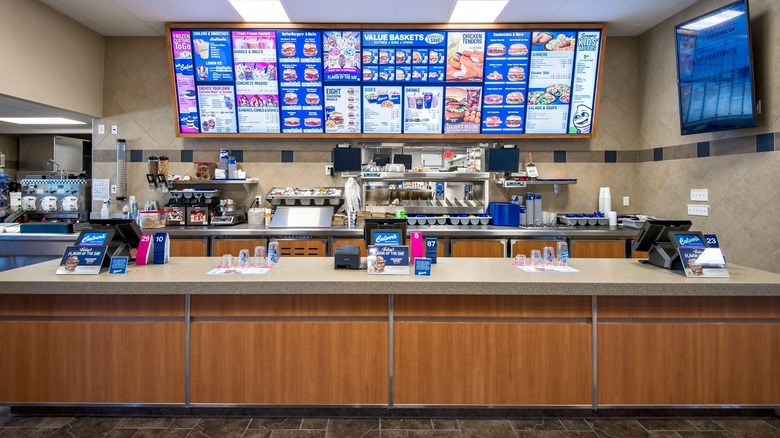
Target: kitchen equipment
<point>58,199</point>
<point>415,192</point>
<point>347,257</point>
<point>305,196</point>
<point>229,213</point>
<point>302,217</point>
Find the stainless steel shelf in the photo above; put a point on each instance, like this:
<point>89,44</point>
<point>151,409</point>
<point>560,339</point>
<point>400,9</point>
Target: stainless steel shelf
<point>426,176</point>
<point>215,182</point>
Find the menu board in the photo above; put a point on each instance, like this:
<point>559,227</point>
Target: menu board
<point>342,109</point>
<point>397,81</point>
<point>382,110</point>
<point>423,110</point>
<point>257,90</point>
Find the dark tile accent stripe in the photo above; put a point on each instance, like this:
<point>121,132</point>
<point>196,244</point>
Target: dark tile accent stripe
<point>703,149</point>
<point>765,142</point>
<point>559,156</point>
<point>136,155</point>
<point>610,156</point>
<point>287,156</point>
<point>187,155</point>
<point>658,154</point>
<point>239,154</point>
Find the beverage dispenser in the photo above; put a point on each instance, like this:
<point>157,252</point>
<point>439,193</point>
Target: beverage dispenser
<point>56,199</point>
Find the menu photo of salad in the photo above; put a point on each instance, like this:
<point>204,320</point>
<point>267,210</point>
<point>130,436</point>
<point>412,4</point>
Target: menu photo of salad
<point>341,56</point>
<point>342,109</point>
<point>423,110</point>
<point>462,110</point>
<point>465,56</point>
<point>382,110</point>
<point>217,109</point>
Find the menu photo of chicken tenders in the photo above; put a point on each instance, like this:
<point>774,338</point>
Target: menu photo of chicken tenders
<point>465,56</point>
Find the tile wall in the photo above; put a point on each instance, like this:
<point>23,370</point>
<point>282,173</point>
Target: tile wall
<point>9,145</point>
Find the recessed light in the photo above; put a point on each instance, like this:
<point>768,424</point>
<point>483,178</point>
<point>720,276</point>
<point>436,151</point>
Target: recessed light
<point>41,121</point>
<point>267,11</point>
<point>477,11</point>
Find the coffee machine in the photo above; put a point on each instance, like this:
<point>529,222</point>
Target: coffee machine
<point>66,200</point>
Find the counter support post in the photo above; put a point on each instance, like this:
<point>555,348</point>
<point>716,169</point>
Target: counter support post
<point>187,322</point>
<point>594,354</point>
<point>390,371</point>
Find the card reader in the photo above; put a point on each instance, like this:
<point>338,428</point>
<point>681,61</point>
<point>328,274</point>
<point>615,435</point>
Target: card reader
<point>347,257</point>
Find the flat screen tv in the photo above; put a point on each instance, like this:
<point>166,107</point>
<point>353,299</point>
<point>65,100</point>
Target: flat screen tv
<point>503,160</point>
<point>346,159</point>
<point>715,71</point>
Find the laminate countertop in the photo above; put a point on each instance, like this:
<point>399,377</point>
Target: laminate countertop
<point>450,276</point>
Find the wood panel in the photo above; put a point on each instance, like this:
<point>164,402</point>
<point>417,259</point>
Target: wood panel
<point>92,305</point>
<point>492,363</point>
<point>290,362</point>
<point>188,248</point>
<point>689,307</point>
<point>640,254</point>
<point>592,249</point>
<point>289,305</point>
<point>496,306</point>
<point>689,364</point>
<point>525,246</point>
<point>92,362</point>
<point>358,242</point>
<point>301,247</point>
<point>477,248</point>
<point>221,247</point>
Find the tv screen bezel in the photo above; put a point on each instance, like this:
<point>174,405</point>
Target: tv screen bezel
<point>493,153</point>
<point>706,128</point>
<point>344,159</point>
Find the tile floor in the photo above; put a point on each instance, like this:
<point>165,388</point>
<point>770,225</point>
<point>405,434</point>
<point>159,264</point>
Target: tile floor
<point>236,427</point>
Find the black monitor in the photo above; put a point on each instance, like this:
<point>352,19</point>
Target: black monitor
<point>381,159</point>
<point>503,160</point>
<point>127,235</point>
<point>384,231</point>
<point>404,159</point>
<point>346,160</point>
<point>655,238</point>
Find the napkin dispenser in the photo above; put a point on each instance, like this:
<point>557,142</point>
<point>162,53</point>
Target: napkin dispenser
<point>347,257</point>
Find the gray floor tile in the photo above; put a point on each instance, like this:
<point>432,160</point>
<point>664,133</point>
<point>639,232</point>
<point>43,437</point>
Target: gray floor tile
<point>774,422</point>
<point>144,423</point>
<point>749,428</point>
<point>352,428</point>
<point>314,423</point>
<point>394,433</point>
<point>220,428</point>
<point>664,434</point>
<point>555,434</point>
<point>119,433</point>
<point>275,423</point>
<point>17,421</point>
<point>291,433</point>
<point>445,423</point>
<point>54,422</point>
<point>28,432</point>
<point>406,423</point>
<point>184,423</point>
<point>541,424</point>
<point>576,424</point>
<point>5,410</point>
<point>705,434</point>
<point>89,427</point>
<point>704,424</point>
<point>443,433</point>
<point>666,424</point>
<point>161,433</point>
<point>618,428</point>
<point>258,433</point>
<point>486,429</point>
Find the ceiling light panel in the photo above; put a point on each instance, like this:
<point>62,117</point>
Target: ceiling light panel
<point>264,11</point>
<point>41,121</point>
<point>476,11</point>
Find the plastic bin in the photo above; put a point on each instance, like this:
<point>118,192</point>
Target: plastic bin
<point>504,214</point>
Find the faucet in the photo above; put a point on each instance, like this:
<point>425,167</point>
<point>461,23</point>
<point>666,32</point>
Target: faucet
<point>57,168</point>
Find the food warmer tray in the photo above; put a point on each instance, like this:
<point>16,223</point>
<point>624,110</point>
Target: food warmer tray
<point>441,206</point>
<point>305,196</point>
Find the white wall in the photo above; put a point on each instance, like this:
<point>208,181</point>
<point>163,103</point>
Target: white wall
<point>50,59</point>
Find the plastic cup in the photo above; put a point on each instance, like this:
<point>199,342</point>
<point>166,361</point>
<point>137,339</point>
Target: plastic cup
<point>548,255</point>
<point>243,258</point>
<point>259,259</point>
<point>536,257</point>
<point>521,260</point>
<point>563,253</point>
<point>227,261</point>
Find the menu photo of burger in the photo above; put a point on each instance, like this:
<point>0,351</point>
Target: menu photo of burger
<point>290,98</point>
<point>462,109</point>
<point>288,49</point>
<point>310,50</point>
<point>515,74</point>
<point>310,74</point>
<point>496,49</point>
<point>312,99</point>
<point>289,75</point>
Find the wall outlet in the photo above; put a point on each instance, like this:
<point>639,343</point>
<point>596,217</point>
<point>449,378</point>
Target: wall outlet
<point>259,200</point>
<point>329,170</point>
<point>113,189</point>
<point>700,195</point>
<point>698,210</point>
<point>626,201</point>
<point>114,129</point>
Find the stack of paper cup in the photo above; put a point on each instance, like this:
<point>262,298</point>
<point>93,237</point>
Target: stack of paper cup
<point>605,200</point>
<point>612,218</point>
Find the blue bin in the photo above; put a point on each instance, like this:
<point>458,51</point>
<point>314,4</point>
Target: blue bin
<point>504,214</point>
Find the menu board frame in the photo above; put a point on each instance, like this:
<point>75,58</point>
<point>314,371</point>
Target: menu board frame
<point>360,28</point>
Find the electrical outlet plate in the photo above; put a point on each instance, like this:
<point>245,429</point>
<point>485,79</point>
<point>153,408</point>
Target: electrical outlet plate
<point>626,201</point>
<point>700,195</point>
<point>113,189</point>
<point>114,129</point>
<point>259,199</point>
<point>329,170</point>
<point>698,210</point>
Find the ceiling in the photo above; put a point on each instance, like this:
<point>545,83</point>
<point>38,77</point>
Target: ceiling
<point>148,18</point>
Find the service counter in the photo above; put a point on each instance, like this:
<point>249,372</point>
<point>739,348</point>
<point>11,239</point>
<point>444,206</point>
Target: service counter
<point>478,332</point>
